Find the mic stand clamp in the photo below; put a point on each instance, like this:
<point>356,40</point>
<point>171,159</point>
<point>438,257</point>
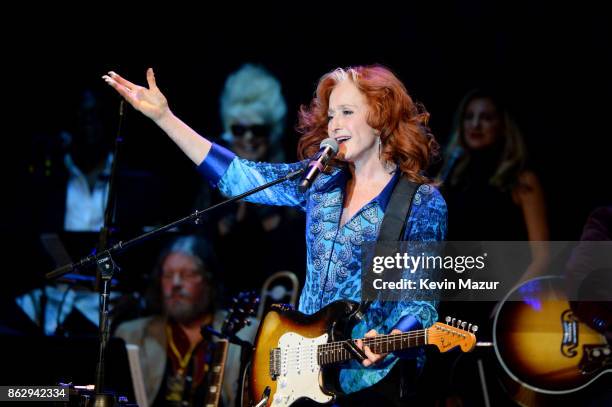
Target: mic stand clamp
<point>106,268</point>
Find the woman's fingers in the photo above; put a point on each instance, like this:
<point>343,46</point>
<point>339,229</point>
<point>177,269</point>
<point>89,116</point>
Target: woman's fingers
<point>123,91</point>
<point>371,356</point>
<point>366,362</point>
<point>122,81</point>
<point>151,79</point>
<point>371,333</point>
<point>150,101</point>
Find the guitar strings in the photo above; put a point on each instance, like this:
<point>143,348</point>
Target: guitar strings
<point>292,361</point>
<point>293,355</point>
<point>381,339</point>
<point>388,338</point>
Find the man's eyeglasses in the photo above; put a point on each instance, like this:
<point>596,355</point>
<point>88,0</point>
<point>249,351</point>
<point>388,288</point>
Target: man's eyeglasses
<point>190,275</point>
<point>258,130</point>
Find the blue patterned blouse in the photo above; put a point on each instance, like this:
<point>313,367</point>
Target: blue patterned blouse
<point>333,268</point>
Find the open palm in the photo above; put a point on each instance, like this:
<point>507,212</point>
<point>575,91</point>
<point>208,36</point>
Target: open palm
<point>151,102</point>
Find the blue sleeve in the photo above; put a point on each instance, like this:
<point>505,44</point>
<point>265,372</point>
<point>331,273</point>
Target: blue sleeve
<point>216,164</point>
<point>233,176</point>
<point>407,323</point>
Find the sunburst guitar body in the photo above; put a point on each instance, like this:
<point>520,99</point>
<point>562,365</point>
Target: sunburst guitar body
<point>541,344</point>
<point>296,355</point>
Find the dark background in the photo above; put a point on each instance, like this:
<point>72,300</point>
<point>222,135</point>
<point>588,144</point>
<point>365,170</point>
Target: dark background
<point>552,64</point>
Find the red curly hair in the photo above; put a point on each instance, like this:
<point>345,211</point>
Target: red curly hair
<point>405,137</point>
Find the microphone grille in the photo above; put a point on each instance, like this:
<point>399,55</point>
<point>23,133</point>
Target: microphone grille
<point>331,143</point>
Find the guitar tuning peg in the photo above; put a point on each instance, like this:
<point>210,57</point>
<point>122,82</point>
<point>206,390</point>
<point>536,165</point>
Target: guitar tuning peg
<point>447,319</point>
<point>469,327</point>
<point>463,324</point>
<point>475,328</point>
<point>453,322</point>
<point>458,323</point>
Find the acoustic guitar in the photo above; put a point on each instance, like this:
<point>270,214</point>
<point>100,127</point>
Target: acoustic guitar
<point>542,345</point>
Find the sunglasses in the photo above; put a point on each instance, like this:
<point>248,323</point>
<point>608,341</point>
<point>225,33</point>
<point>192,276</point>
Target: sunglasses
<point>258,130</point>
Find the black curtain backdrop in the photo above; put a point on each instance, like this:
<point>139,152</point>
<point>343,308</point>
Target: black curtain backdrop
<point>552,65</point>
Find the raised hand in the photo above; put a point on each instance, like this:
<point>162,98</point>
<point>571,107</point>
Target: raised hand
<point>151,102</point>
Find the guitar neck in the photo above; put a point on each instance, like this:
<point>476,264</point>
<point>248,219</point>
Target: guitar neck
<point>335,352</point>
<point>217,368</point>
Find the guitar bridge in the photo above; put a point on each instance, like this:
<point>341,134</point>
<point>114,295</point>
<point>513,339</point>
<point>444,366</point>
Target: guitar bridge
<point>570,334</point>
<point>275,363</point>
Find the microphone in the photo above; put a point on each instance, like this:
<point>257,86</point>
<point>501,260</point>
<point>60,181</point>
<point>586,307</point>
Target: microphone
<point>327,150</point>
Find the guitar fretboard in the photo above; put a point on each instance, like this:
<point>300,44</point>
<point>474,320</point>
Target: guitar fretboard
<point>216,373</point>
<point>335,352</point>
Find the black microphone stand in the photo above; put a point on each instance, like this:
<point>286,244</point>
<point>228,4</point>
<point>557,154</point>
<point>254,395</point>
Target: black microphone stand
<point>105,270</point>
<point>106,265</point>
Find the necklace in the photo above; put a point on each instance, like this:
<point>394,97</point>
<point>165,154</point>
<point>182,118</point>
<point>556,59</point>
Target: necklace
<point>182,360</point>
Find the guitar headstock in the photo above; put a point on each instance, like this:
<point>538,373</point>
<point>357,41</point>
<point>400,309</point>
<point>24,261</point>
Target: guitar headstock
<point>452,334</point>
<point>243,307</point>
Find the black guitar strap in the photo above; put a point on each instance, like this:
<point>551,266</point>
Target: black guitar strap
<point>393,224</point>
<point>392,230</point>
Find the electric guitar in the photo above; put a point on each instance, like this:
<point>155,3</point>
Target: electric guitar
<point>542,345</point>
<point>244,306</point>
<point>295,353</point>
